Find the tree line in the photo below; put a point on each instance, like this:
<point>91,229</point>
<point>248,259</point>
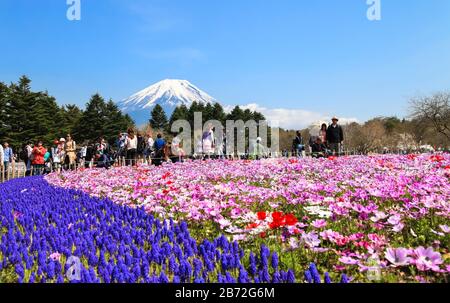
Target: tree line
<point>159,121</point>
<point>427,124</point>
<point>28,116</point>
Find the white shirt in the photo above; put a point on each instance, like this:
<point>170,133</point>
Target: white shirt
<point>30,150</point>
<point>150,143</point>
<point>2,155</point>
<point>131,143</point>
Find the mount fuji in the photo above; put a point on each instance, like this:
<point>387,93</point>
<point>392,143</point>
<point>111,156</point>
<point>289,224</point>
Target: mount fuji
<point>169,94</point>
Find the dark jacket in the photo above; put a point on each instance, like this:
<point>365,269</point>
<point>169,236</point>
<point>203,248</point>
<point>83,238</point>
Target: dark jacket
<point>318,148</point>
<point>335,134</point>
<point>297,141</point>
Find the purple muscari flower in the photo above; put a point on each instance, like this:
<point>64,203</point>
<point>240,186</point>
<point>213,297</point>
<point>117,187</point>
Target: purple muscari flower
<point>229,278</point>
<point>398,256</point>
<point>314,273</point>
<point>283,276</point>
<point>60,279</point>
<point>308,277</point>
<point>327,278</point>
<point>20,271</point>
<point>220,278</point>
<point>197,267</point>
<point>199,280</point>
<point>275,261</point>
<point>243,276</point>
<point>264,275</point>
<point>163,278</point>
<point>224,263</point>
<point>252,269</point>
<point>276,277</point>
<point>344,279</point>
<point>51,269</point>
<point>32,278</point>
<point>173,267</point>
<point>176,279</point>
<point>290,276</point>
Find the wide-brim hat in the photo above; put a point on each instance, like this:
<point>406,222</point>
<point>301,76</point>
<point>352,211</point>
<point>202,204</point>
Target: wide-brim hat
<point>335,118</point>
<point>62,140</point>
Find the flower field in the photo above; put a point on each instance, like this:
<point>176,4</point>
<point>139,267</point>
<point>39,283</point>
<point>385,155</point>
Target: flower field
<point>44,226</point>
<point>363,219</point>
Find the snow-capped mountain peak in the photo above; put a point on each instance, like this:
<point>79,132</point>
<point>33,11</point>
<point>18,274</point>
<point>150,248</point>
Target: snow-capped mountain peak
<point>168,93</point>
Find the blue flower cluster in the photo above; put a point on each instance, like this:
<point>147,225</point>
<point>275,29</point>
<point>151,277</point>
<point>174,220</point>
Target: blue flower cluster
<point>312,275</point>
<point>42,228</point>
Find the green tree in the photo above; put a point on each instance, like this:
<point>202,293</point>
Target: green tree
<point>4,90</point>
<point>158,118</point>
<point>180,113</point>
<point>236,114</point>
<point>218,113</point>
<point>116,122</point>
<point>20,113</point>
<point>71,116</point>
<point>92,122</point>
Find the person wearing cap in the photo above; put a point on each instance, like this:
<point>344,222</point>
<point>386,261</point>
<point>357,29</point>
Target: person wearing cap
<point>335,136</point>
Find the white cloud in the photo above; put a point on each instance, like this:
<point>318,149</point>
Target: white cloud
<point>292,118</point>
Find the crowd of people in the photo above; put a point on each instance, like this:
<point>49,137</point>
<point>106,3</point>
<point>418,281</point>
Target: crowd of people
<point>132,147</point>
<point>328,142</point>
<point>38,159</point>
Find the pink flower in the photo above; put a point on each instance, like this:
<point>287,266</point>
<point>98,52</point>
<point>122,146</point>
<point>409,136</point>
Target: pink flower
<point>17,214</point>
<point>427,259</point>
<point>398,256</point>
<point>394,220</point>
<point>55,256</point>
<point>311,239</point>
<point>293,243</point>
<point>319,223</point>
<point>445,228</point>
<point>399,227</point>
<point>348,260</point>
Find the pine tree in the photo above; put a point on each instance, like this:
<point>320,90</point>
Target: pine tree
<point>236,114</point>
<point>19,111</point>
<point>92,122</point>
<point>71,116</point>
<point>208,112</point>
<point>218,113</point>
<point>116,122</point>
<point>180,113</point>
<point>158,119</point>
<point>4,90</point>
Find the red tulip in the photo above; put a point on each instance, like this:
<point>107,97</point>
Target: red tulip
<point>262,215</point>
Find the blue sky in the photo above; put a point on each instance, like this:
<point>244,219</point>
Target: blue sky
<point>323,56</point>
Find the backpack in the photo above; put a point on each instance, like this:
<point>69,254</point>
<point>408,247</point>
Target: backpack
<point>140,145</point>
